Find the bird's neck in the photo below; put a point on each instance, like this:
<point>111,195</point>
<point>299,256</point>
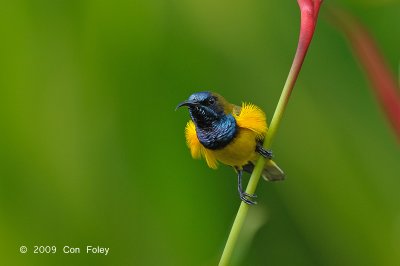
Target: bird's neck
<point>217,133</point>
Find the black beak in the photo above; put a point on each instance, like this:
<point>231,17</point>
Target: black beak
<point>185,103</point>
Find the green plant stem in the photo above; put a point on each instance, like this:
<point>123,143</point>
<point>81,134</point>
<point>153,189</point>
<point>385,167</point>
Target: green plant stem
<point>308,22</point>
<point>256,174</point>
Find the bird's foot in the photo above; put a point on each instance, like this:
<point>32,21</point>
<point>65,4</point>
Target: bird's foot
<point>245,198</point>
<point>243,195</point>
<point>267,154</point>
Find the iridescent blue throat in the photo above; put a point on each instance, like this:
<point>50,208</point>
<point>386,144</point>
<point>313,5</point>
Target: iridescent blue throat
<point>215,133</point>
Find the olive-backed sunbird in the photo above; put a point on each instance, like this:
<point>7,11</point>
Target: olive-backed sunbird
<point>223,132</point>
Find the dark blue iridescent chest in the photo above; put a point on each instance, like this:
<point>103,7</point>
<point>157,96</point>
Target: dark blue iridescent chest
<point>218,133</point>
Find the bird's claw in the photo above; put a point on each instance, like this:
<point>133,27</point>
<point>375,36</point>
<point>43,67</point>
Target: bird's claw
<point>267,154</point>
<point>244,197</point>
<point>249,195</point>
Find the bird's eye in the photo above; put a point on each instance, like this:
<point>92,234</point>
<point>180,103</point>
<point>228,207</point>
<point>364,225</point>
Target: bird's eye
<point>211,101</point>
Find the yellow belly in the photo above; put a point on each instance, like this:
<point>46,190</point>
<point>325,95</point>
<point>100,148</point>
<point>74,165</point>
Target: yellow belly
<point>240,151</point>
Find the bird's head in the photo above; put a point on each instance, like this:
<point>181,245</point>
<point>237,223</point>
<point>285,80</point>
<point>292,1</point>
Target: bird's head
<point>206,107</point>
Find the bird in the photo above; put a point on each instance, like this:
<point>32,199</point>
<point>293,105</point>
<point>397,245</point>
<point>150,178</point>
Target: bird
<point>221,132</point>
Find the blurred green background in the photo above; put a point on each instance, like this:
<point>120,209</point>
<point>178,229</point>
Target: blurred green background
<point>93,153</point>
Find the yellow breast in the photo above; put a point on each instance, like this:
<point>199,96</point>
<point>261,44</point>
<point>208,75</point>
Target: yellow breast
<point>240,151</point>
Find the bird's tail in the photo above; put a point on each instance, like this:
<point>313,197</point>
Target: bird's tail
<point>271,171</point>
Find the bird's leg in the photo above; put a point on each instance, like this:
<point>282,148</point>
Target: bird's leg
<point>267,154</point>
<point>243,195</point>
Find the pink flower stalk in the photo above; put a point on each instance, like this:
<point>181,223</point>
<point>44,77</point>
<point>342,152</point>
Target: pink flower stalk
<point>309,10</point>
<point>382,80</point>
<point>309,14</point>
